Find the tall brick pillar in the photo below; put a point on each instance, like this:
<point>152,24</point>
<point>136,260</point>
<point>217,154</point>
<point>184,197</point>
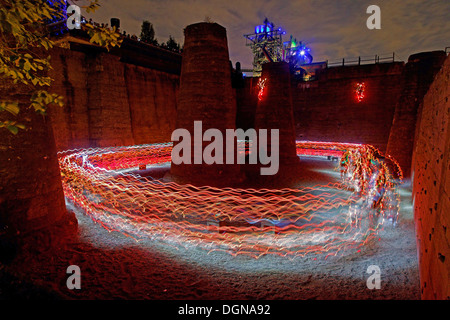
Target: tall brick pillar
<point>32,209</point>
<point>418,74</point>
<point>275,111</point>
<point>206,95</point>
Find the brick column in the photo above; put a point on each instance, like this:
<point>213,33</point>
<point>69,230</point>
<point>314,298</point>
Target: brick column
<point>32,209</point>
<point>275,111</point>
<point>206,95</point>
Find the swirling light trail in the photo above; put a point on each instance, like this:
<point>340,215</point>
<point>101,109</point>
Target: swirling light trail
<point>325,219</point>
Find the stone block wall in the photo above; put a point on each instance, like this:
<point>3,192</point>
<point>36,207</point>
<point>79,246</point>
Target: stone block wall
<point>327,109</point>
<point>33,214</point>
<point>274,111</point>
<point>153,99</point>
<point>418,74</point>
<point>431,187</point>
<point>109,102</point>
<point>70,123</point>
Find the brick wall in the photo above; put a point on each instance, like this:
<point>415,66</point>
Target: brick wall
<point>70,123</point>
<point>327,109</point>
<point>152,97</point>
<point>431,187</point>
<point>417,77</point>
<point>32,208</point>
<point>109,102</point>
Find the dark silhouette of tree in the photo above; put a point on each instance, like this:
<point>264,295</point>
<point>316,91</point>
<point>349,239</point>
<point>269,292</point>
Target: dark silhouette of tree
<point>172,45</point>
<point>148,33</point>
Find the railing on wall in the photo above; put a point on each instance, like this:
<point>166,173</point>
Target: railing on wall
<point>362,60</point>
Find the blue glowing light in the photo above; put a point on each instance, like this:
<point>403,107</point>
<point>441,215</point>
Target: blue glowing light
<point>265,29</point>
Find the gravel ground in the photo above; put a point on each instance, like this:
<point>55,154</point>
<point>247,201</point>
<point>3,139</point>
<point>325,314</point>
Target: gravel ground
<point>114,266</point>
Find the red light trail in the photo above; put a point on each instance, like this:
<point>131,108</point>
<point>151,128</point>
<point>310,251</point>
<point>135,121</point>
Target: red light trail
<point>325,219</point>
<point>360,88</point>
<point>261,86</point>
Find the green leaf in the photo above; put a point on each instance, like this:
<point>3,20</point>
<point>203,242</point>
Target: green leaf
<point>11,107</point>
<point>13,129</point>
<point>21,30</point>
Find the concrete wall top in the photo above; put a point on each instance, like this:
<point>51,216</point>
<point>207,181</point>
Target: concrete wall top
<point>369,70</point>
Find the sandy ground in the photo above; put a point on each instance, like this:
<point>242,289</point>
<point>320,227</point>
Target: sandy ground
<point>114,266</point>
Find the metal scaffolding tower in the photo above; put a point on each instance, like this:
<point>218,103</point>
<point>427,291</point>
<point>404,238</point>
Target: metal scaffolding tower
<point>266,44</point>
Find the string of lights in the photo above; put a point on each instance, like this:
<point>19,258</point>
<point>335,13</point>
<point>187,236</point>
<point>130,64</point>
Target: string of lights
<point>261,86</point>
<point>360,89</point>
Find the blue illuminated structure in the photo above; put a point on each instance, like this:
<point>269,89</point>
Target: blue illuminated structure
<point>296,53</point>
<point>57,24</point>
<point>267,46</point>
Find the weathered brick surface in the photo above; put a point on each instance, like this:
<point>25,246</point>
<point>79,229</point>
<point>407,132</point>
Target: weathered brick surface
<point>152,97</point>
<point>275,111</point>
<point>327,109</point>
<point>206,95</point>
<point>417,77</point>
<point>109,110</point>
<point>431,187</point>
<point>246,103</point>
<point>109,102</point>
<point>71,122</point>
<point>32,206</point>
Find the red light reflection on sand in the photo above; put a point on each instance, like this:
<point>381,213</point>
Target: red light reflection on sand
<point>325,219</point>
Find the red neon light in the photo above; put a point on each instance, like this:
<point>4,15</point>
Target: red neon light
<point>261,85</point>
<point>360,88</point>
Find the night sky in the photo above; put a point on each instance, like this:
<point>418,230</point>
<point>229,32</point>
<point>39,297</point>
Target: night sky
<point>333,29</point>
